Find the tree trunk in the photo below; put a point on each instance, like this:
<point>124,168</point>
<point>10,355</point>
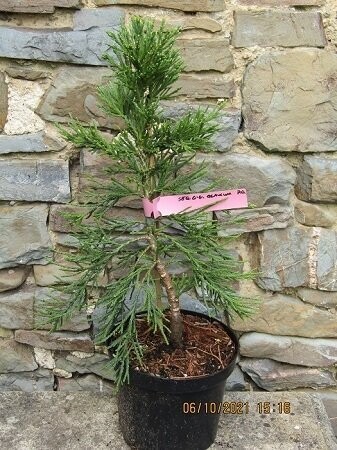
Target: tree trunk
<point>176,320</point>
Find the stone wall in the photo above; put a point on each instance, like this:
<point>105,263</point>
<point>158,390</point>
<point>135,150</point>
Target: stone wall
<point>277,68</point>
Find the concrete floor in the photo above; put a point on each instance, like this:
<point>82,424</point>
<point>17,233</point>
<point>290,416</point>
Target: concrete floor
<point>89,421</point>
<point>330,404</point>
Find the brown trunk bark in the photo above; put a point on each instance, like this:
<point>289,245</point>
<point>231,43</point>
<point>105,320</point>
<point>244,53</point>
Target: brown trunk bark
<point>157,281</point>
<point>176,320</point>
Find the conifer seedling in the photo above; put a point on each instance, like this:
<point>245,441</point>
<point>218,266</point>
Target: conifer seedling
<point>152,155</point>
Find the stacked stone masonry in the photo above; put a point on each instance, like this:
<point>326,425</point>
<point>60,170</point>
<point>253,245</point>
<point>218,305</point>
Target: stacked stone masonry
<point>275,64</point>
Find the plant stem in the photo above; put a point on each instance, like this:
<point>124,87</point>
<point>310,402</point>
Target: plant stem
<point>157,282</point>
<point>156,273</point>
<point>176,320</point>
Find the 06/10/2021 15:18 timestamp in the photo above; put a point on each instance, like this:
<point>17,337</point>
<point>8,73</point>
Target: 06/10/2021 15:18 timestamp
<point>236,408</point>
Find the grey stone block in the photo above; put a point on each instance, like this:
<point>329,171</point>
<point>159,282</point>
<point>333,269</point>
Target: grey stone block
<point>284,258</point>
<point>15,357</point>
<point>318,298</point>
<point>183,5</point>
<point>96,364</point>
<point>236,381</point>
<point>17,309</point>
<point>37,6</point>
<point>29,143</point>
<point>283,315</point>
<point>24,237</point>
<point>74,92</point>
<point>199,85</point>
<point>206,54</point>
<point>88,18</point>
<point>267,180</point>
<point>274,376</point>
<point>61,46</point>
<point>39,380</point>
<point>295,97</point>
<point>298,256</point>
<point>255,219</point>
<point>290,349</point>
<point>21,70</point>
<point>315,215</point>
<point>284,2</point>
<point>45,181</point>
<point>278,28</point>
<point>192,304</point>
<point>84,45</point>
<point>66,240</point>
<point>229,122</point>
<point>317,179</point>
<point>13,278</point>
<point>88,383</point>
<point>326,260</point>
<point>56,341</point>
<point>191,22</point>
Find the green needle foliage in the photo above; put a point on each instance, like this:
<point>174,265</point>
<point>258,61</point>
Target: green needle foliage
<point>149,157</point>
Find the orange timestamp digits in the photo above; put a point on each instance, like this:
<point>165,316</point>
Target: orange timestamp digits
<point>268,408</point>
<point>216,408</point>
<point>238,407</point>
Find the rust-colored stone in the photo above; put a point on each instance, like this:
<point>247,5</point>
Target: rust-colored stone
<point>183,5</point>
<point>3,101</point>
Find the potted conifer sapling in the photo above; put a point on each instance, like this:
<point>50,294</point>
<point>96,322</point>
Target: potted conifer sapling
<point>170,364</point>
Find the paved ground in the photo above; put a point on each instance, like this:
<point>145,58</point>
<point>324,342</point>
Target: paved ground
<point>330,403</point>
<point>88,421</point>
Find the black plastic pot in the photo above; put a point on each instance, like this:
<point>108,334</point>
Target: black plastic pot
<point>173,414</point>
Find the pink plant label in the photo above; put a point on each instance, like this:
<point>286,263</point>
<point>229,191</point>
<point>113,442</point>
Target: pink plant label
<point>175,204</point>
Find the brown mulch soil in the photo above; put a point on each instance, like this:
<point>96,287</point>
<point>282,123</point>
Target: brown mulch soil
<point>207,349</point>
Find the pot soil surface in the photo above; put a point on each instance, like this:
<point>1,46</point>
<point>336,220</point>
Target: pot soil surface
<point>206,349</point>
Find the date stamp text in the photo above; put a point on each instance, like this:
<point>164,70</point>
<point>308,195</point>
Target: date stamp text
<point>236,408</point>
